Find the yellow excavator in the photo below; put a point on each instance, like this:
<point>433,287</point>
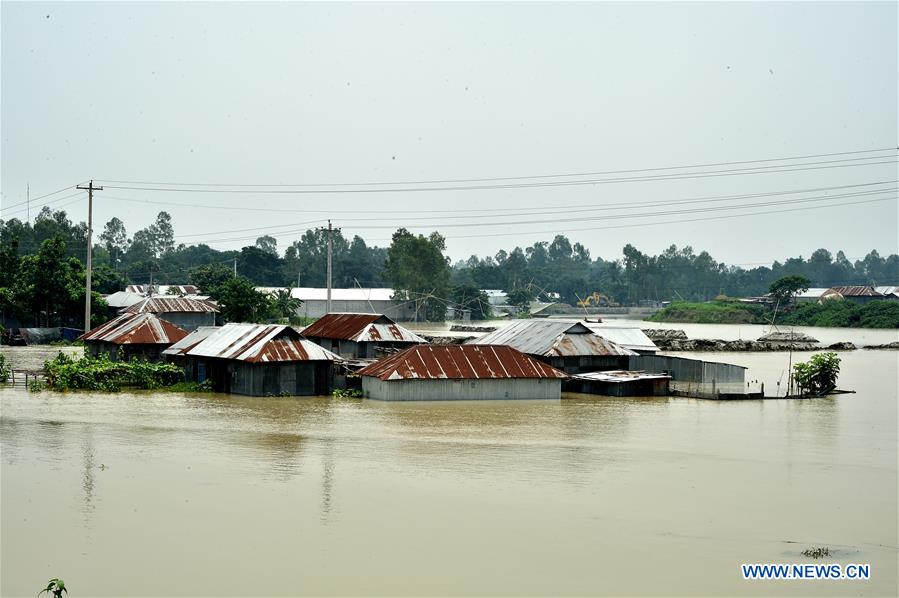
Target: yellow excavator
<point>597,299</point>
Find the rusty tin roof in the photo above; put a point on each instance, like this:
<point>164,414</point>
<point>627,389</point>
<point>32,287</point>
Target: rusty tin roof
<point>360,328</point>
<point>259,343</point>
<point>136,329</point>
<point>159,305</point>
<point>460,362</point>
<point>552,338</point>
<point>856,291</point>
<point>190,341</point>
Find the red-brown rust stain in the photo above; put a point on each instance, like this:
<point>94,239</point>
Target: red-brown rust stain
<point>340,326</point>
<point>172,304</point>
<point>142,329</point>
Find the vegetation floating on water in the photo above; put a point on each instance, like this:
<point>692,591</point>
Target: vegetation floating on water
<point>89,373</point>
<point>347,393</point>
<point>816,553</point>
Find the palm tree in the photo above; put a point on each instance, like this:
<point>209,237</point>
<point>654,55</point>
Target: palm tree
<point>285,303</point>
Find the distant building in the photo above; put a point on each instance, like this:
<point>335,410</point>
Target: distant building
<point>460,372</point>
<point>565,345</point>
<point>256,360</point>
<point>359,335</point>
<point>856,294</point>
<point>891,293</point>
<point>188,313</point>
<point>163,289</point>
<point>142,335</point>
<point>372,301</point>
<point>812,295</point>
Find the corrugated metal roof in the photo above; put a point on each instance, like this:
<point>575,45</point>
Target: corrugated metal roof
<point>887,290</point>
<point>190,341</point>
<point>317,294</point>
<point>259,343</point>
<point>856,291</point>
<point>163,289</point>
<point>621,376</point>
<point>632,338</point>
<point>812,293</point>
<point>465,362</point>
<point>136,329</point>
<point>360,328</point>
<point>161,305</point>
<point>121,299</point>
<point>550,338</point>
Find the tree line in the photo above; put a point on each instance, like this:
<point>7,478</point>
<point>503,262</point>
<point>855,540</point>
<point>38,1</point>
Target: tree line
<point>42,272</point>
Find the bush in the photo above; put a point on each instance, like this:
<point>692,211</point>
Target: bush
<point>818,375</point>
<point>720,312</point>
<point>5,369</point>
<point>349,393</point>
<point>87,373</point>
<point>844,314</point>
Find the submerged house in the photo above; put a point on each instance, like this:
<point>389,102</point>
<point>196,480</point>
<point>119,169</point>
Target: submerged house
<point>628,337</point>
<point>143,336</point>
<point>568,346</point>
<point>187,312</point>
<point>460,372</point>
<point>359,335</point>
<point>622,383</point>
<point>257,360</point>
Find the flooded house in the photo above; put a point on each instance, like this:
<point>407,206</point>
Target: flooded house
<point>187,312</point>
<point>460,372</point>
<point>695,377</point>
<point>360,335</point>
<point>256,360</point>
<point>856,293</point>
<point>621,383</point>
<point>132,335</point>
<point>628,337</point>
<point>565,345</point>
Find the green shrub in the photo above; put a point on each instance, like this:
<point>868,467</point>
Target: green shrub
<point>718,312</point>
<point>5,369</point>
<point>347,393</point>
<point>88,373</point>
<point>818,375</point>
<point>844,314</point>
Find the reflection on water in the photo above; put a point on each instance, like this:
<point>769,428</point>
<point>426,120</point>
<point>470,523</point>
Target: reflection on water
<point>204,494</point>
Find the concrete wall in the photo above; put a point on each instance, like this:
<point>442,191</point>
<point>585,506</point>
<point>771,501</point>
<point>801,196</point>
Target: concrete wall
<point>396,310</point>
<point>461,390</point>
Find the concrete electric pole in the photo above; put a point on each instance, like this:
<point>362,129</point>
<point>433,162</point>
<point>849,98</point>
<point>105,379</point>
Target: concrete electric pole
<point>330,230</point>
<point>90,247</point>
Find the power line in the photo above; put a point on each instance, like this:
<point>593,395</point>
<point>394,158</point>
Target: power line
<point>490,211</point>
<point>509,178</point>
<point>619,216</point>
<point>25,203</point>
<point>46,203</point>
<point>808,166</point>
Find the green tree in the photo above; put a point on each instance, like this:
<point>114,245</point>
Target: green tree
<point>783,289</point>
<point>284,303</point>
<point>521,298</point>
<point>208,278</point>
<point>468,296</point>
<point>115,239</point>
<point>419,272</point>
<point>239,301</point>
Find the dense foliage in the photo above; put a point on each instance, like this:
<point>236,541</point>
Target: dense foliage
<point>5,369</point>
<point>818,375</point>
<point>87,373</point>
<point>41,276</point>
<point>844,314</point>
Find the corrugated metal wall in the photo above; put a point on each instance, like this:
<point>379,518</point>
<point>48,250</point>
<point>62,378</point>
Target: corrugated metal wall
<point>461,390</point>
<point>693,374</point>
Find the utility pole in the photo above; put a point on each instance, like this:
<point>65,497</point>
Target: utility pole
<point>90,247</point>
<point>330,230</point>
<point>28,202</point>
<point>235,267</point>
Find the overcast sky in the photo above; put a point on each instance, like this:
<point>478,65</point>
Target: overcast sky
<point>290,93</point>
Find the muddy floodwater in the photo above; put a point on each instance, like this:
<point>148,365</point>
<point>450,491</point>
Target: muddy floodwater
<point>179,494</point>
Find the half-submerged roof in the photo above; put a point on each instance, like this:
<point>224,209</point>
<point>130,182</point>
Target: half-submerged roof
<point>259,343</point>
<point>551,338</point>
<point>159,305</point>
<point>136,329</point>
<point>360,328</point>
<point>460,362</point>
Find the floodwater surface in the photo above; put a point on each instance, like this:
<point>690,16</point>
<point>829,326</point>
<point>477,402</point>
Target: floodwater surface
<point>180,494</point>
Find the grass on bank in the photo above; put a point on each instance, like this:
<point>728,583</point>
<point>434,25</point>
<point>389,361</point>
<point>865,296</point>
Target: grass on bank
<point>832,314</point>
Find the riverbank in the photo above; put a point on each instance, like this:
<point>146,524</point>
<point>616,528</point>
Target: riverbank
<point>832,314</point>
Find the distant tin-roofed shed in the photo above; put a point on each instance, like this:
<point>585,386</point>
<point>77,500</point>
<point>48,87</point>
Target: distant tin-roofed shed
<point>355,300</point>
<point>187,312</point>
<point>257,360</point>
<point>360,335</point>
<point>570,346</point>
<point>143,335</point>
<point>622,383</point>
<point>460,372</point>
